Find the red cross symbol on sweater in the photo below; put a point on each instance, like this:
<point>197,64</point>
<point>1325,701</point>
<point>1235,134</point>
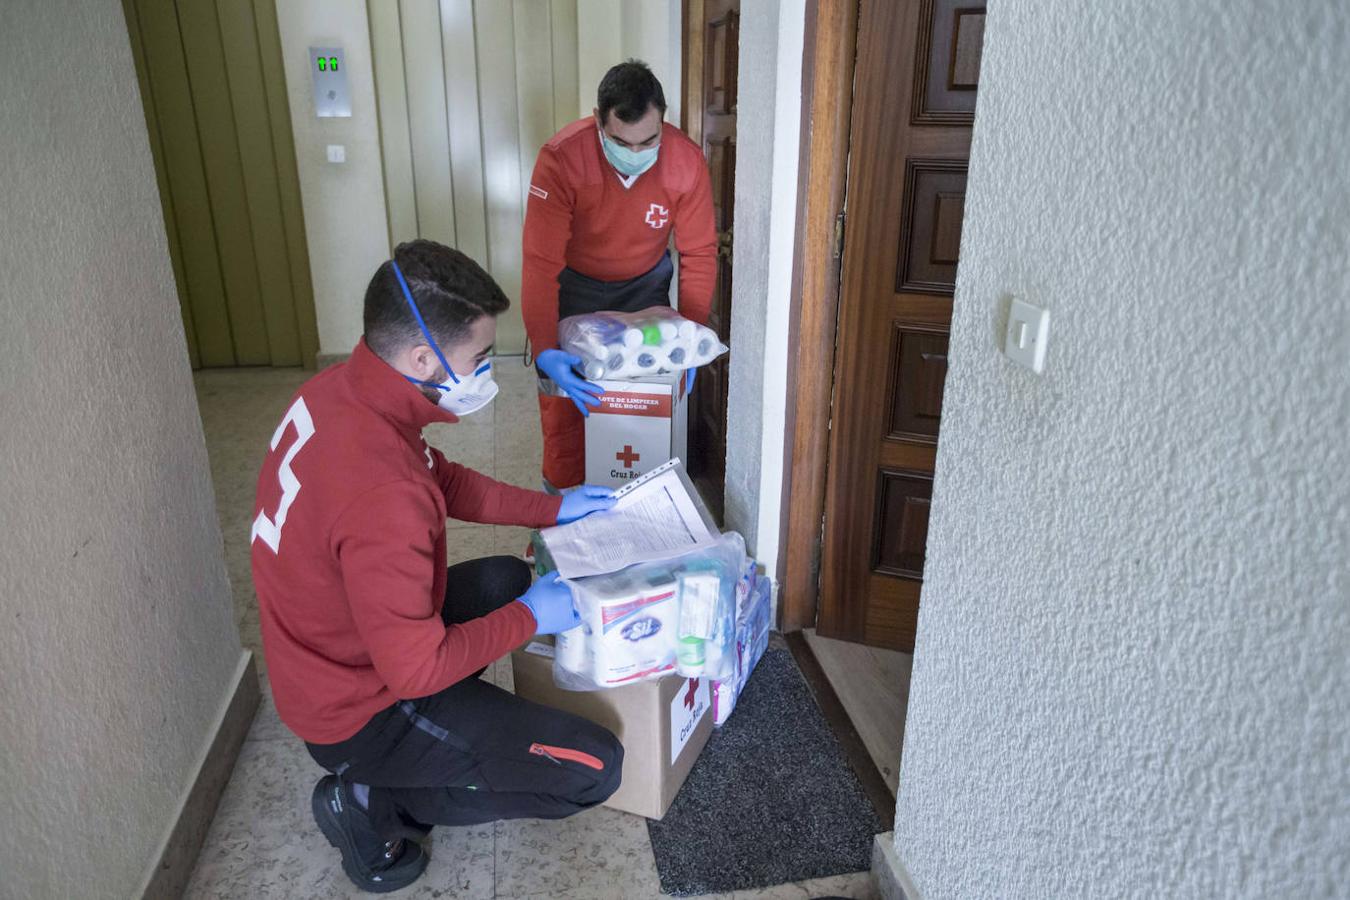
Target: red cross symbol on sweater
<point>657,215</point>
<point>693,690</point>
<point>628,457</point>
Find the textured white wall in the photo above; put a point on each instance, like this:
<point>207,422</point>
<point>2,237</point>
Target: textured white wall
<point>118,643</point>
<point>768,128</point>
<point>1132,674</point>
<point>344,202</point>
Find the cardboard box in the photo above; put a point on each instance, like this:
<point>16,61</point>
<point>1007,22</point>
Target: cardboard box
<point>640,425</point>
<point>663,726</point>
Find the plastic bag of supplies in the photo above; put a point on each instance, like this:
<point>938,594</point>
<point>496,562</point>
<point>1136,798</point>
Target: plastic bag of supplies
<point>676,616</point>
<point>653,341</point>
<point>752,639</point>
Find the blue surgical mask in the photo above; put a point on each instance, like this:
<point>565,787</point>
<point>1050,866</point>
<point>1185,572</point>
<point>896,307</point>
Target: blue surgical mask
<point>460,394</point>
<point>625,161</point>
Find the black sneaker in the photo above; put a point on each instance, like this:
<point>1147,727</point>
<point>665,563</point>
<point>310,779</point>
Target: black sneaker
<point>373,865</point>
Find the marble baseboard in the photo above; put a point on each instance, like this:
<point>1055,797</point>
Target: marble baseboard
<point>173,864</point>
<point>893,881</point>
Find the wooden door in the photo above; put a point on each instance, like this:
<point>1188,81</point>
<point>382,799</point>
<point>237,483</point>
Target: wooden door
<point>712,42</point>
<point>219,124</point>
<point>913,106</point>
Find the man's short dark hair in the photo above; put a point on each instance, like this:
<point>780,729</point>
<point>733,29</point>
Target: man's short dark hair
<point>452,292</point>
<point>629,89</point>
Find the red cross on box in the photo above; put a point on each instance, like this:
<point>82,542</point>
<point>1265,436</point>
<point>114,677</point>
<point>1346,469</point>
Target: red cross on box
<point>628,457</point>
<point>691,693</point>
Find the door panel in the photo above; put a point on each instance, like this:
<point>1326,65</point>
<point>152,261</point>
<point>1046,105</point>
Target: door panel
<point>930,233</point>
<point>901,528</point>
<point>947,70</point>
<point>718,44</point>
<point>914,100</point>
<point>200,30</point>
<point>919,370</point>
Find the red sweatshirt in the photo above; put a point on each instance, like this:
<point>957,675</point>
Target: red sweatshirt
<point>349,552</point>
<point>581,216</point>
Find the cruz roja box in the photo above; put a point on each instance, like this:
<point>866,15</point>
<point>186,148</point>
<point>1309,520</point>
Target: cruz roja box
<point>640,425</point>
<point>662,725</point>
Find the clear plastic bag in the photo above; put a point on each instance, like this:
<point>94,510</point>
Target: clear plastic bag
<point>752,638</point>
<point>652,341</point>
<point>676,616</point>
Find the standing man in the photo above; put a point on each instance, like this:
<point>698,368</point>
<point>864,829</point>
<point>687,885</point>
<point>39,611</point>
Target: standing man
<point>373,647</point>
<point>607,193</point>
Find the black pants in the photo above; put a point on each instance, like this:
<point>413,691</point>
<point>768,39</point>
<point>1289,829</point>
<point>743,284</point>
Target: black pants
<point>475,753</point>
<point>579,293</point>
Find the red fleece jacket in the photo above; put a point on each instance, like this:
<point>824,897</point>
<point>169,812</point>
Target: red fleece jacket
<point>580,215</point>
<point>349,552</point>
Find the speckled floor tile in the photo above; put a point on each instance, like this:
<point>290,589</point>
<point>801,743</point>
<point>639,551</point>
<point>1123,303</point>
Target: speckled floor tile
<point>521,473</point>
<point>466,542</point>
<point>525,455</point>
<point>517,425</point>
<point>468,444</point>
<point>518,383</point>
<point>510,540</point>
<point>267,725</point>
<point>597,855</point>
<point>858,885</point>
<point>506,679</point>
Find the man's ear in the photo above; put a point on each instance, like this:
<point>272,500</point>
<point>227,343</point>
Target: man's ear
<point>595,111</point>
<point>422,361</point>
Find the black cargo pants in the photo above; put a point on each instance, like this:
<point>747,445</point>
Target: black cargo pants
<point>475,753</point>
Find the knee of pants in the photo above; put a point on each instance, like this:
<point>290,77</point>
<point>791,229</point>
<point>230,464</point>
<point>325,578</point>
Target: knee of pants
<point>604,788</point>
<point>513,574</point>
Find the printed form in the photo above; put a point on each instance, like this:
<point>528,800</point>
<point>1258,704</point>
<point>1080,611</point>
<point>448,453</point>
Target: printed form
<point>654,518</point>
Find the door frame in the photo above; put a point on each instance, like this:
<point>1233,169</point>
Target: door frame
<point>829,57</point>
<point>691,81</point>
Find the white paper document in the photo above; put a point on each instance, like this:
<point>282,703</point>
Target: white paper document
<point>655,518</point>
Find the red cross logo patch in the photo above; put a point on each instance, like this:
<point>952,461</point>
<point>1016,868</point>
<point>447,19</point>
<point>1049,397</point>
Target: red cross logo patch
<point>657,215</point>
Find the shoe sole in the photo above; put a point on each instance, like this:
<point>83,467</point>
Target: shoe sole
<point>342,842</point>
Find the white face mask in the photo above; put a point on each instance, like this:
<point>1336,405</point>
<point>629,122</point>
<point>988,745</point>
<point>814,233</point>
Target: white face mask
<point>460,394</point>
<point>465,394</point>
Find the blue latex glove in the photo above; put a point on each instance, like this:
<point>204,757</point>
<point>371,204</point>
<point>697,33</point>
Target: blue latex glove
<point>558,366</point>
<point>689,380</point>
<point>550,601</point>
<point>581,502</point>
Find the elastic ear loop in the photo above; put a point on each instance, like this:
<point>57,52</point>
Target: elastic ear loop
<point>417,314</point>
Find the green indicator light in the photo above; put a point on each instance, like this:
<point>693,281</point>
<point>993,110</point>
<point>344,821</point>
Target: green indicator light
<point>323,64</point>
<point>332,63</point>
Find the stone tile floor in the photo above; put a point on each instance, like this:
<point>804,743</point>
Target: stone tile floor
<point>263,842</point>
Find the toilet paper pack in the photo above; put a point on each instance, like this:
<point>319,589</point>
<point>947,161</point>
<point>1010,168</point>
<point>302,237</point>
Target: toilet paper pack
<point>634,625</point>
<point>629,635</point>
<point>654,341</point>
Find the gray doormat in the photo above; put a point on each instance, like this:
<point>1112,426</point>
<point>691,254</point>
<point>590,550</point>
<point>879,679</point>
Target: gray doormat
<point>771,800</point>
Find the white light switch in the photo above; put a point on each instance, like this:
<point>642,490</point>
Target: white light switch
<point>337,153</point>
<point>1028,329</point>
